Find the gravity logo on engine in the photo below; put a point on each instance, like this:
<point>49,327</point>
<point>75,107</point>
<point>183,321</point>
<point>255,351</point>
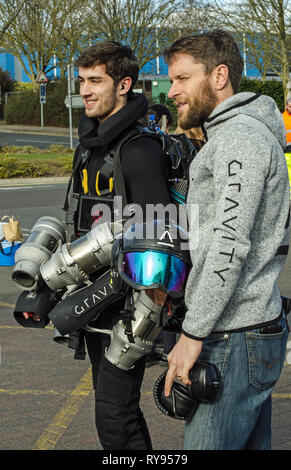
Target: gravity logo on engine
<point>92,300</point>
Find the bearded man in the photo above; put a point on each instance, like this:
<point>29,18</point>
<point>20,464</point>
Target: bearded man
<point>240,181</point>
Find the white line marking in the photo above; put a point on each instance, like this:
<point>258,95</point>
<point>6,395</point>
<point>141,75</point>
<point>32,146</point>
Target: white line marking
<point>15,188</point>
<point>42,142</point>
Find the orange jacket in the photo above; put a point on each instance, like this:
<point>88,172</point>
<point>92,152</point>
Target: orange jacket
<point>287,121</point>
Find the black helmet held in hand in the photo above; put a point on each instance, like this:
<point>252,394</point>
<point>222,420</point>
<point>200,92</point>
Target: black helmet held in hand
<point>184,400</point>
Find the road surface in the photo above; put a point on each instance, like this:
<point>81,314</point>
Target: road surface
<point>37,140</point>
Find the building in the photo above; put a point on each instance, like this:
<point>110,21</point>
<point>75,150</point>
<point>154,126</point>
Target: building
<point>153,75</point>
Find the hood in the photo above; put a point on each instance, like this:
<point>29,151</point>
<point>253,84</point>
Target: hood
<point>260,107</point>
<point>93,134</point>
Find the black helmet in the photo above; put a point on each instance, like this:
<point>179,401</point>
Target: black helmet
<point>154,255</point>
<point>183,400</point>
<point>179,404</point>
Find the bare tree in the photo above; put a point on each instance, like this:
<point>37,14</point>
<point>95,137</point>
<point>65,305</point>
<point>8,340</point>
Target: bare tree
<point>142,24</point>
<point>9,10</point>
<point>46,29</point>
<point>262,26</point>
<point>70,31</point>
<point>195,16</point>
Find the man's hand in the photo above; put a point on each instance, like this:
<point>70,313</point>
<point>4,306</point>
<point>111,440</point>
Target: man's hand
<point>181,360</point>
<point>158,296</point>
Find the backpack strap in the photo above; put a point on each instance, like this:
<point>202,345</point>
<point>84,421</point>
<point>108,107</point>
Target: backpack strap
<point>104,179</point>
<point>111,170</point>
<point>82,155</point>
<point>119,182</point>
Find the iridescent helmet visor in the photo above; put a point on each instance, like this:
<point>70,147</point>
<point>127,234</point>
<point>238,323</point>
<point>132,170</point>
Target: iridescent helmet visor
<point>150,269</point>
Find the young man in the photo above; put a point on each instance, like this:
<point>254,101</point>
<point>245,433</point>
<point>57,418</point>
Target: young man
<point>239,180</point>
<point>108,72</point>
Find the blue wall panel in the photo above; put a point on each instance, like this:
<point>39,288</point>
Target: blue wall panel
<point>7,63</point>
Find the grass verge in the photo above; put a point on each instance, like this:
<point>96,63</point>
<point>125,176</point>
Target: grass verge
<point>28,161</point>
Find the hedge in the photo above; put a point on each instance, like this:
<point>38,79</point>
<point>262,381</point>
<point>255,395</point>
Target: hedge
<point>273,88</point>
<point>12,168</point>
<point>24,107</point>
<point>31,162</point>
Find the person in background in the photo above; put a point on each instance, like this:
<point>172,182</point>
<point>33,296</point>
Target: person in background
<point>195,134</point>
<point>287,120</point>
<point>162,115</point>
<point>166,340</point>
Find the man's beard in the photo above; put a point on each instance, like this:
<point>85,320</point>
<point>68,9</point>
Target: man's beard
<point>102,113</point>
<point>200,107</point>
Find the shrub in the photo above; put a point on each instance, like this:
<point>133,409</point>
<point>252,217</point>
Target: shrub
<point>13,165</point>
<point>57,148</point>
<point>273,88</point>
<point>24,107</point>
<point>24,86</point>
<point>11,168</point>
<point>7,84</point>
<point>16,168</point>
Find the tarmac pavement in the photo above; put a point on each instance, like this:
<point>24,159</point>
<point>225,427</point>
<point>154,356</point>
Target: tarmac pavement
<point>47,399</point>
<point>62,131</point>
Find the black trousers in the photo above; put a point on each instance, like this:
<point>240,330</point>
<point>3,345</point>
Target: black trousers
<point>119,421</point>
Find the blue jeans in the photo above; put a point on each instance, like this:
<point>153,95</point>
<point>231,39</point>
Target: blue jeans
<point>250,364</point>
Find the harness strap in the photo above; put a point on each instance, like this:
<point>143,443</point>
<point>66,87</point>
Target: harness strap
<point>81,157</point>
<point>127,317</point>
<point>104,180</point>
<point>119,183</point>
<point>77,342</point>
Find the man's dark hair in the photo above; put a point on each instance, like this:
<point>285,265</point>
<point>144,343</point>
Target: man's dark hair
<point>211,49</point>
<point>118,59</point>
<point>159,110</point>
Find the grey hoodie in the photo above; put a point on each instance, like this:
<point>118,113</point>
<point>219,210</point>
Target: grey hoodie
<point>239,180</point>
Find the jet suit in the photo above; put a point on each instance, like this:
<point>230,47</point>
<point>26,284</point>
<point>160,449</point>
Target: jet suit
<point>119,421</point>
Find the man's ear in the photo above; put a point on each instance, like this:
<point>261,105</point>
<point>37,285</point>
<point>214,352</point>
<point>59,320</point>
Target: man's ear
<point>125,85</point>
<point>220,76</point>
